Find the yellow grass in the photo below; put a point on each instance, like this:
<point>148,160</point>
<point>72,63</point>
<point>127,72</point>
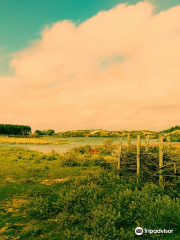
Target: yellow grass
<point>35,141</point>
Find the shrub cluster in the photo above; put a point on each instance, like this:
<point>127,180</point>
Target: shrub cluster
<point>102,206</point>
<point>72,160</point>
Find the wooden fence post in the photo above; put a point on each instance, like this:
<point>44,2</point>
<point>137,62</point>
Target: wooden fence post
<point>161,160</point>
<point>138,157</point>
<point>120,153</point>
<point>147,143</point>
<point>168,143</point>
<point>175,171</point>
<point>128,141</point>
<point>175,168</point>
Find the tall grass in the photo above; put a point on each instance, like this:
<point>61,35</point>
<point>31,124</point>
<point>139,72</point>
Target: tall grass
<point>36,141</point>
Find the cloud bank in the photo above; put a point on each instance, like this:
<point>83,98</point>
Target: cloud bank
<point>118,70</point>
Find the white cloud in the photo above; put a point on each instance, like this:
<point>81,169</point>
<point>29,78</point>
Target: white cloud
<point>117,70</point>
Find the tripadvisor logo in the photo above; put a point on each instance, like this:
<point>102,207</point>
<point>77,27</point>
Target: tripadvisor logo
<point>139,231</point>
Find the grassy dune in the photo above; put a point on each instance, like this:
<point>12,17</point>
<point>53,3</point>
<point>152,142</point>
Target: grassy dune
<point>78,196</point>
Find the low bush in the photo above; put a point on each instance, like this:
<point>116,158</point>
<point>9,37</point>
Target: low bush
<point>72,160</point>
<point>102,206</point>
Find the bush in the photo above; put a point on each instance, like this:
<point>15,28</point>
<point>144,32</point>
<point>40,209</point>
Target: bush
<point>102,206</point>
<point>108,147</point>
<point>43,207</point>
<point>33,135</point>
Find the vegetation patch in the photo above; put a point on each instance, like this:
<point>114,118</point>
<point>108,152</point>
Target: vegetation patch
<point>30,140</point>
<point>79,195</point>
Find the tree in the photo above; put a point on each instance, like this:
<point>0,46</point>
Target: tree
<point>38,132</point>
<point>50,132</point>
<point>14,129</point>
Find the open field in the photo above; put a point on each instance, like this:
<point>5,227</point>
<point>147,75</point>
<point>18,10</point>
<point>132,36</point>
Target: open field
<point>78,195</point>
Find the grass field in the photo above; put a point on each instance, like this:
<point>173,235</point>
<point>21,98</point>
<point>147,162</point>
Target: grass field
<point>78,196</point>
<point>36,141</point>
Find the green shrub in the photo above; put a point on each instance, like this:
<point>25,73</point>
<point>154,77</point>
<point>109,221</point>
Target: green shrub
<point>43,207</point>
<point>102,206</point>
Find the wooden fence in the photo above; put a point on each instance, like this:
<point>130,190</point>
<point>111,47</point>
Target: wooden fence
<point>170,170</point>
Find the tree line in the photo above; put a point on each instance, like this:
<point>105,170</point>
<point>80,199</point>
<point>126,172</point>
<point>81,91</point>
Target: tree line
<point>172,129</point>
<point>14,129</point>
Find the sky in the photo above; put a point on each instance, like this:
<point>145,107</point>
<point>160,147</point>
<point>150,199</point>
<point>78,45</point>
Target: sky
<point>99,64</point>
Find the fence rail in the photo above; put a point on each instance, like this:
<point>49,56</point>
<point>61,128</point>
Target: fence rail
<point>152,166</point>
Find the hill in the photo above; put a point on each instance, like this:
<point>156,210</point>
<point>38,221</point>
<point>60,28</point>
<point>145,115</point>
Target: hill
<point>103,133</point>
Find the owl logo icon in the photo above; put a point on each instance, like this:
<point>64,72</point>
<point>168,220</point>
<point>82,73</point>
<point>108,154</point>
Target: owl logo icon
<point>139,231</point>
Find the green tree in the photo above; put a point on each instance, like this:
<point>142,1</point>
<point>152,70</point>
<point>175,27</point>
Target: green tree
<point>50,132</point>
<point>14,129</point>
<point>38,132</point>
